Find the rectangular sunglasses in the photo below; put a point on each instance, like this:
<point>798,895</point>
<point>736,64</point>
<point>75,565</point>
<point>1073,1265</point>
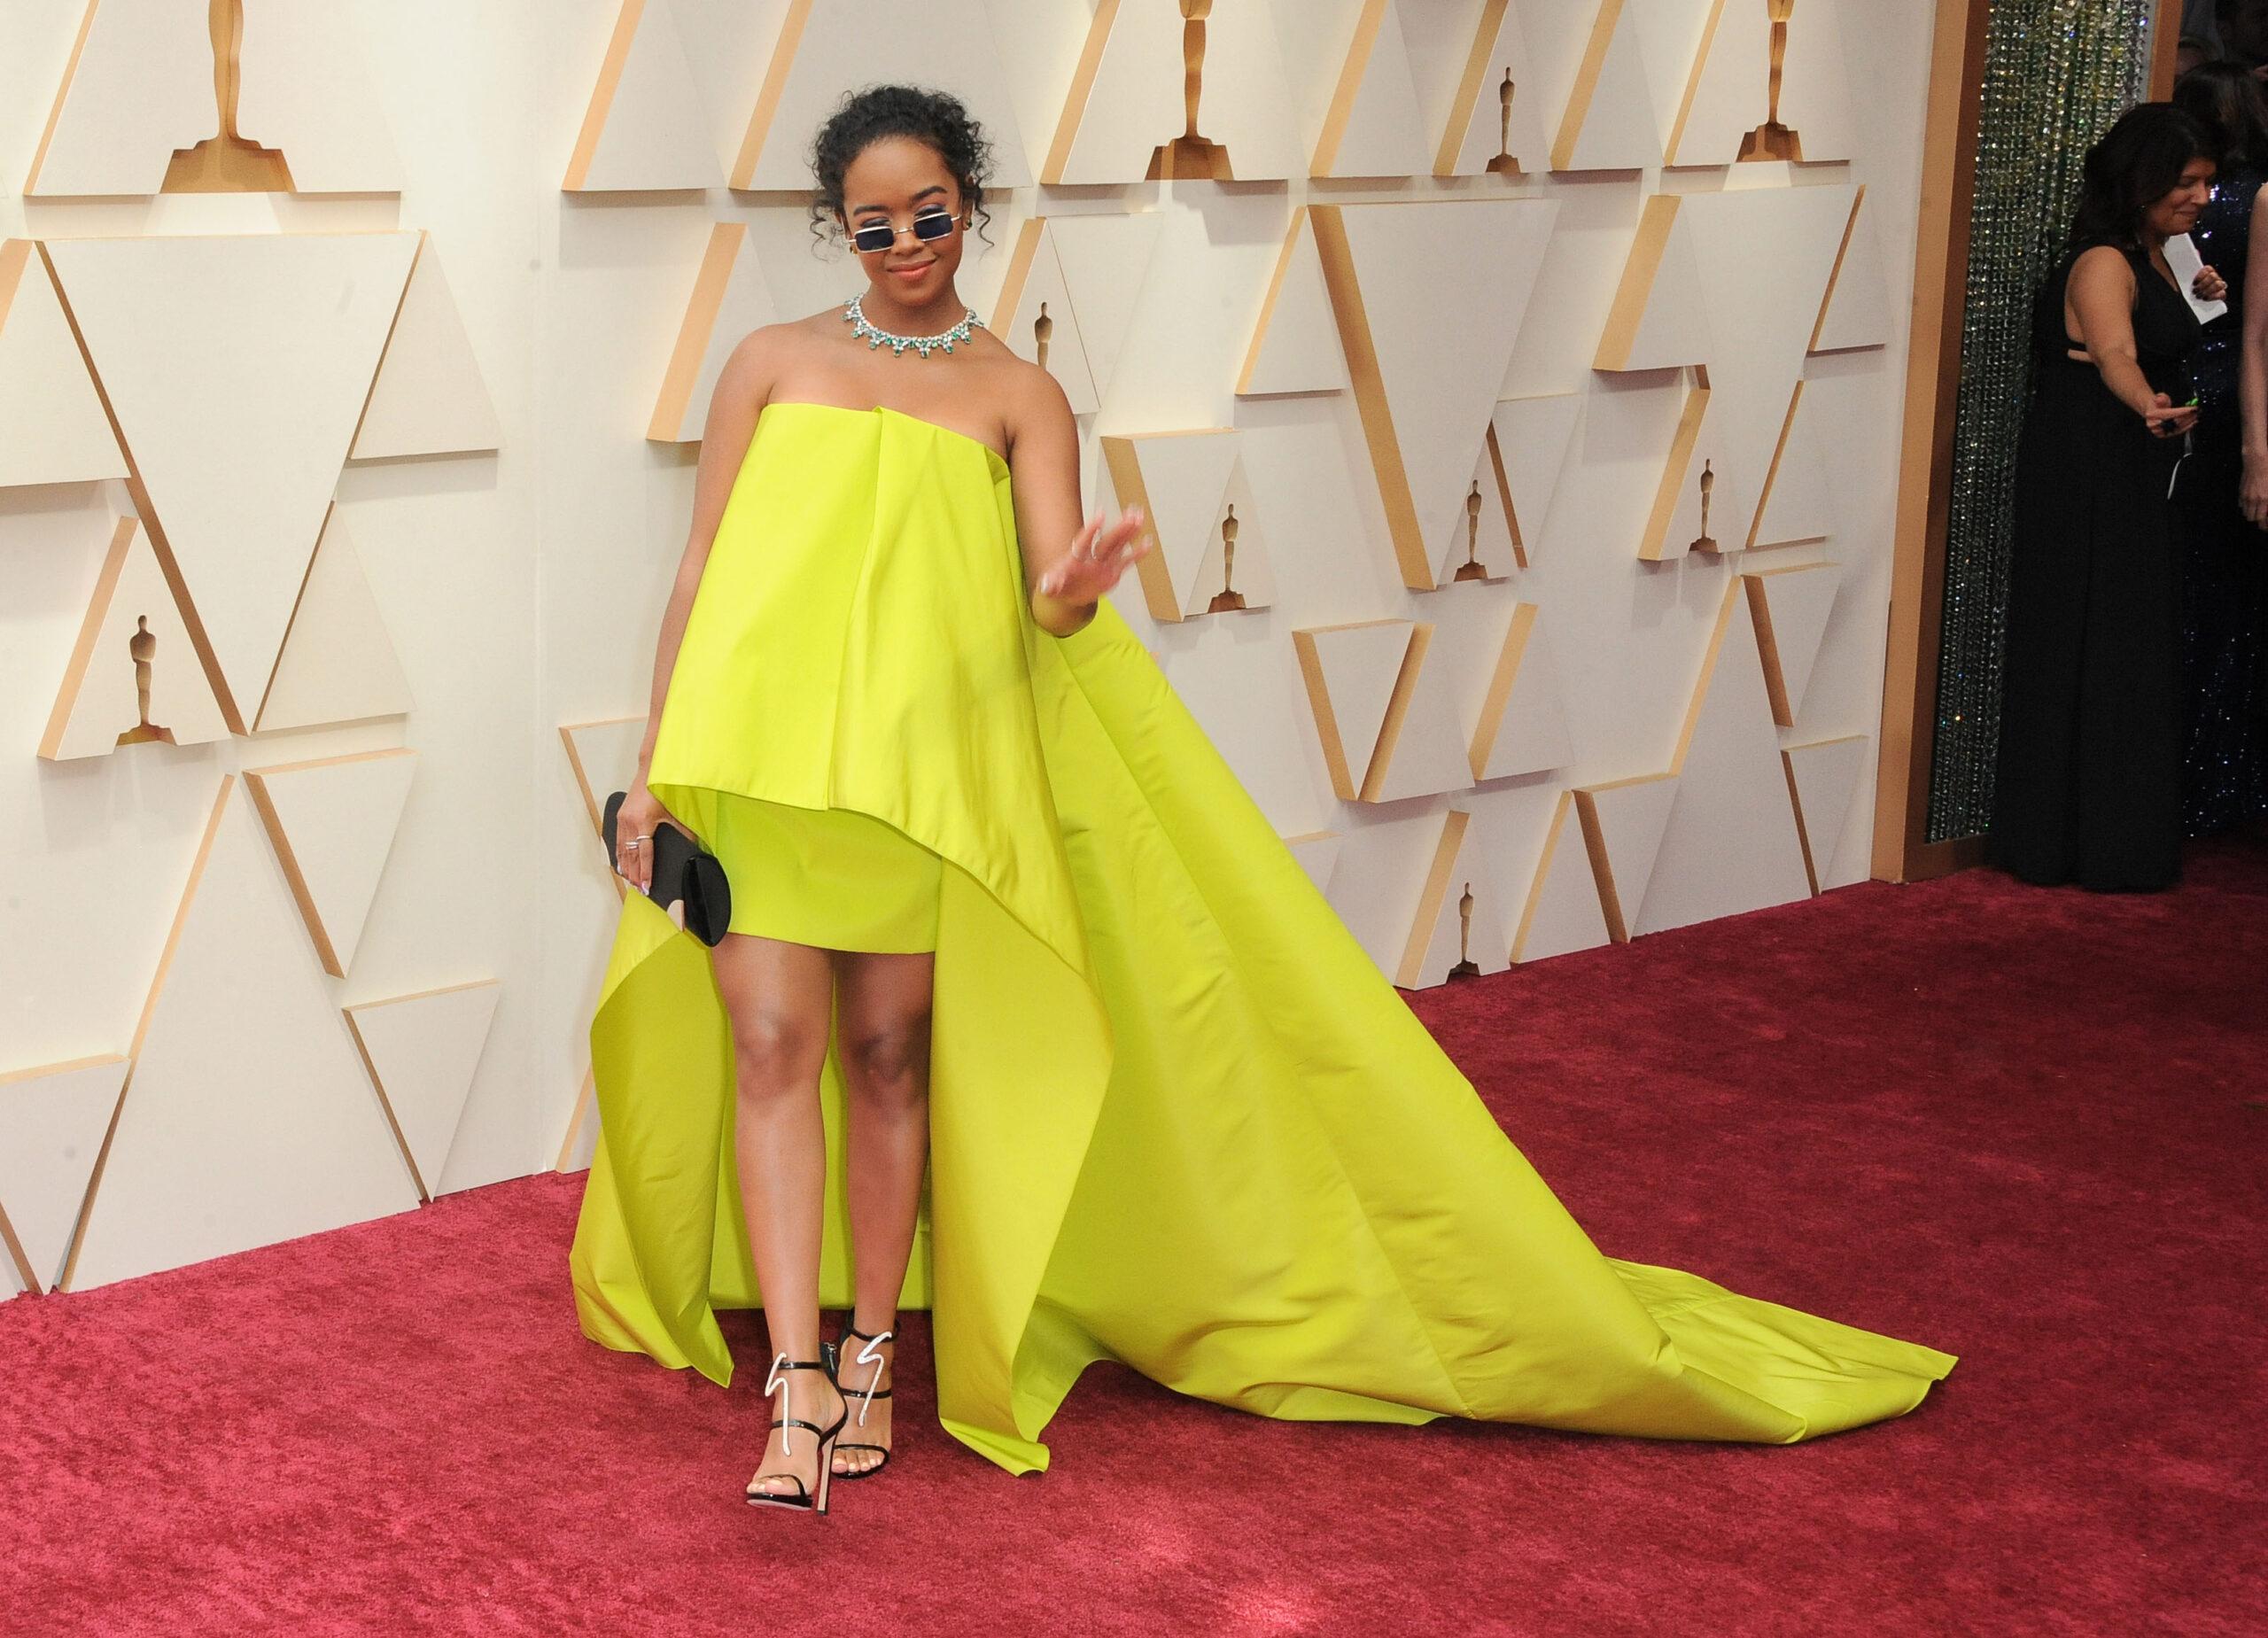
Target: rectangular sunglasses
<point>931,221</point>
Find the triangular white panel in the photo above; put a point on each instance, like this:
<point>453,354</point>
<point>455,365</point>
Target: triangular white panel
<point>249,1118</point>
<point>604,757</point>
<point>332,821</point>
<point>1533,437</point>
<point>1800,505</point>
<point>132,609</point>
<point>1318,855</point>
<point>1660,317</point>
<point>1790,621</point>
<point>1105,257</point>
<point>1824,776</point>
<point>1350,671</point>
<point>644,128</point>
<point>138,87</point>
<point>730,299</point>
<point>1728,95</point>
<point>1461,68</point>
<point>1036,312</point>
<point>1426,389</point>
<point>1427,751</point>
<point>1295,345</point>
<point>1608,121</point>
<point>1857,313</point>
<point>238,367</point>
<point>51,1126</point>
<point>422,1050</point>
<point>1183,479</point>
<point>1623,822</point>
<point>1562,913</point>
<point>824,49</point>
<point>1730,845</point>
<point>1759,270</point>
<point>339,665</point>
<point>1447,930</point>
<point>307,92</point>
<point>1522,727</point>
<point>1372,126</point>
<point>429,397</point>
<point>52,427</point>
<point>1122,93</point>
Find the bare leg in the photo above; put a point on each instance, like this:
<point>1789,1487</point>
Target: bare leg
<point>778,996</point>
<point>885,1029</point>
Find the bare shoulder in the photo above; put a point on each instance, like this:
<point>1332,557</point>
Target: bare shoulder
<point>1032,402</point>
<point>758,358</point>
<point>2102,264</point>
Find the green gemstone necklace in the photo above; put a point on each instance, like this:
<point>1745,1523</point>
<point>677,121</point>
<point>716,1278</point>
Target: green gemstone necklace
<point>855,315</point>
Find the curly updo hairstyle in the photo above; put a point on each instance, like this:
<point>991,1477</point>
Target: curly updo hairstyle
<point>865,117</point>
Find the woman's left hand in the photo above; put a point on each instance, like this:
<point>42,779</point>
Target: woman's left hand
<point>1099,554</point>
<point>2208,285</point>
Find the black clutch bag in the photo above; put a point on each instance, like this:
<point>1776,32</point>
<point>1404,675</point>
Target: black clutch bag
<point>683,873</point>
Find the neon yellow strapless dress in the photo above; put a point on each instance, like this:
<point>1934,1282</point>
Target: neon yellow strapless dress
<point>1178,1118</point>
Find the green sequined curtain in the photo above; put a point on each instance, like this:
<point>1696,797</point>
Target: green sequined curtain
<point>2056,74</point>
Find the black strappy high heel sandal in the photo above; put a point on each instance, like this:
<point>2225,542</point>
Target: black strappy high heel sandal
<point>866,1355</point>
<point>809,1498</point>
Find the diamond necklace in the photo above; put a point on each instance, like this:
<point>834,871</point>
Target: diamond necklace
<point>855,315</point>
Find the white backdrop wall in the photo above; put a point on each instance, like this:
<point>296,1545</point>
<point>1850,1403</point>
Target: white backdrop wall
<point>521,586</point>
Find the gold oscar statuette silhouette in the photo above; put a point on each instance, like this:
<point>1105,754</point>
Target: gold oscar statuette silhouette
<point>226,162</point>
<point>1772,140</point>
<point>1471,568</point>
<point>1228,598</point>
<point>1190,154</point>
<point>143,645</point>
<point>1043,331</point>
<point>1504,164</point>
<point>1464,967</point>
<point>1708,487</point>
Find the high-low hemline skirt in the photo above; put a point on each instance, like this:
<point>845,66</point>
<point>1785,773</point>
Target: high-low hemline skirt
<point>832,878</point>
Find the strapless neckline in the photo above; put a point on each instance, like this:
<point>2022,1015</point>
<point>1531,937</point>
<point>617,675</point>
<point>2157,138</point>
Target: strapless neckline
<point>884,410</point>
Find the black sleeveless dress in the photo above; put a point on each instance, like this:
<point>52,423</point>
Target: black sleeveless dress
<point>2089,777</point>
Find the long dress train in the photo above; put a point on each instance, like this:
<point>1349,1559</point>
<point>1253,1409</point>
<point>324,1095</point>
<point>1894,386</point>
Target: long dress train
<point>1178,1117</point>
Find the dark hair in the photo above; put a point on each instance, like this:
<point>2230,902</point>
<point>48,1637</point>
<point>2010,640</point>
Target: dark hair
<point>2138,161</point>
<point>2227,101</point>
<point>865,117</point>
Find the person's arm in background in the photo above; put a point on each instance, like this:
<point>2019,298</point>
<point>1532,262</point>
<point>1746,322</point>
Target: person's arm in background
<point>2252,377</point>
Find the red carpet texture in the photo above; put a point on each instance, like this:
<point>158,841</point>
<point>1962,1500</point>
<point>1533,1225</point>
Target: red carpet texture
<point>2025,1126</point>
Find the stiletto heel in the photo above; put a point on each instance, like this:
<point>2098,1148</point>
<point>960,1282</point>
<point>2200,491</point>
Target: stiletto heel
<point>868,1355</point>
<point>810,1498</point>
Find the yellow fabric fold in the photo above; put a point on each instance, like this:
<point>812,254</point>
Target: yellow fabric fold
<point>1178,1119</point>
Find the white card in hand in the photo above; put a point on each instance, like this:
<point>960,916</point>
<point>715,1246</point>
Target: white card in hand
<point>2181,255</point>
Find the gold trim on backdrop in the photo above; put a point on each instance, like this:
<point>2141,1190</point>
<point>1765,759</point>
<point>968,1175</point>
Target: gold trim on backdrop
<point>1948,189</point>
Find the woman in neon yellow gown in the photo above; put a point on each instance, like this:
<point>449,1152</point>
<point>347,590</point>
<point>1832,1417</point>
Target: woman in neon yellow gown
<point>1175,1116</point>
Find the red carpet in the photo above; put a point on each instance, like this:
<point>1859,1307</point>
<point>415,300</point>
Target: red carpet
<point>2024,1126</point>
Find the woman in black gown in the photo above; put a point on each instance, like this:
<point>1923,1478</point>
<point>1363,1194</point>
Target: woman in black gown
<point>2089,778</point>
<point>2222,500</point>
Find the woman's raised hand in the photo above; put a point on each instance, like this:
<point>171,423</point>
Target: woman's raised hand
<point>2208,285</point>
<point>1099,554</point>
<point>634,824</point>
